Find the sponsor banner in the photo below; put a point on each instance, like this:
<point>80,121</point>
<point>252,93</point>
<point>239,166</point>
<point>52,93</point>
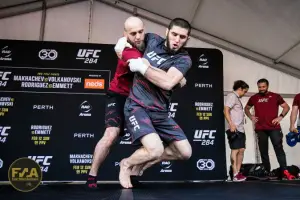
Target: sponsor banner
<point>53,80</point>
<point>52,111</point>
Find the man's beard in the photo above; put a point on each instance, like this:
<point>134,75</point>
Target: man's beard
<point>140,47</point>
<point>173,51</point>
<point>263,92</point>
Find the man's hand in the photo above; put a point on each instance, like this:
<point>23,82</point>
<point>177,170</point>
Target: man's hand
<point>138,65</point>
<point>277,120</point>
<point>254,119</point>
<point>182,82</point>
<point>232,128</point>
<point>293,129</point>
<point>146,62</point>
<point>120,46</point>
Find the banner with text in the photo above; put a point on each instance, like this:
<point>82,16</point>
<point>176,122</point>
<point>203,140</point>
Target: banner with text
<point>52,107</point>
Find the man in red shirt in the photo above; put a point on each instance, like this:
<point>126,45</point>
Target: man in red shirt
<point>294,113</point>
<point>267,124</point>
<point>117,94</point>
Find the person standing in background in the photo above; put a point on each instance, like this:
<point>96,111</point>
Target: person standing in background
<point>234,115</point>
<point>267,124</point>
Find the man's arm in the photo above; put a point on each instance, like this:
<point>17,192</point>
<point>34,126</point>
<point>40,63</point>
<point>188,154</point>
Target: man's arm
<point>284,105</point>
<point>227,114</point>
<point>232,126</point>
<point>121,45</point>
<point>133,53</point>
<point>229,103</point>
<point>130,53</point>
<point>293,118</point>
<point>247,110</point>
<point>285,110</point>
<point>294,113</point>
<point>181,84</point>
<point>164,80</point>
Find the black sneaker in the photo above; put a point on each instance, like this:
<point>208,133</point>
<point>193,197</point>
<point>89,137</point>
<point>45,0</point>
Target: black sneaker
<point>272,175</point>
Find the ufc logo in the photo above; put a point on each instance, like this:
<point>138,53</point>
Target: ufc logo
<point>263,100</point>
<point>173,106</point>
<point>3,130</point>
<point>203,134</point>
<point>87,53</point>
<point>41,160</point>
<point>4,75</point>
<point>154,57</point>
<point>134,123</point>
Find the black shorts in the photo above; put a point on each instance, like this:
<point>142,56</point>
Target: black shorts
<point>140,122</point>
<point>114,111</point>
<point>236,140</point>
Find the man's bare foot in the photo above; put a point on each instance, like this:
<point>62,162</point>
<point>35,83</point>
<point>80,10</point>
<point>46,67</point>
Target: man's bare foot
<point>124,175</point>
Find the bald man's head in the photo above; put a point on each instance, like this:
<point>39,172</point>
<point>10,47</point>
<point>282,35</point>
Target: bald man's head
<point>133,22</point>
<point>135,33</point>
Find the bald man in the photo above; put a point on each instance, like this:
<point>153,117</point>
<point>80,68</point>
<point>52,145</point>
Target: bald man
<point>117,93</point>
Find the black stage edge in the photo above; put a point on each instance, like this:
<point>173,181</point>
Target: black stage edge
<point>249,190</point>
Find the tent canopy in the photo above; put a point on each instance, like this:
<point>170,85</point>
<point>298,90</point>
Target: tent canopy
<point>267,31</point>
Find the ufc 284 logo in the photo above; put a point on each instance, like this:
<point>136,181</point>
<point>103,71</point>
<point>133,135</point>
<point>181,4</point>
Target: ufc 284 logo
<point>4,77</point>
<point>172,109</point>
<point>206,137</point>
<point>134,123</point>
<point>4,133</point>
<point>155,58</point>
<point>89,56</point>
<point>43,161</point>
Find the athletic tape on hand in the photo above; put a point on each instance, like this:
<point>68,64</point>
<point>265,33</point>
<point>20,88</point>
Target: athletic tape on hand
<point>137,65</point>
<point>121,44</point>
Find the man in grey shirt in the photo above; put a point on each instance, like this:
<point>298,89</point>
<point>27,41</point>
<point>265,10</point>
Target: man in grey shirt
<point>234,114</point>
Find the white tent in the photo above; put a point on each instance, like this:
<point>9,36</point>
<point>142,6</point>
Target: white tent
<point>258,38</point>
